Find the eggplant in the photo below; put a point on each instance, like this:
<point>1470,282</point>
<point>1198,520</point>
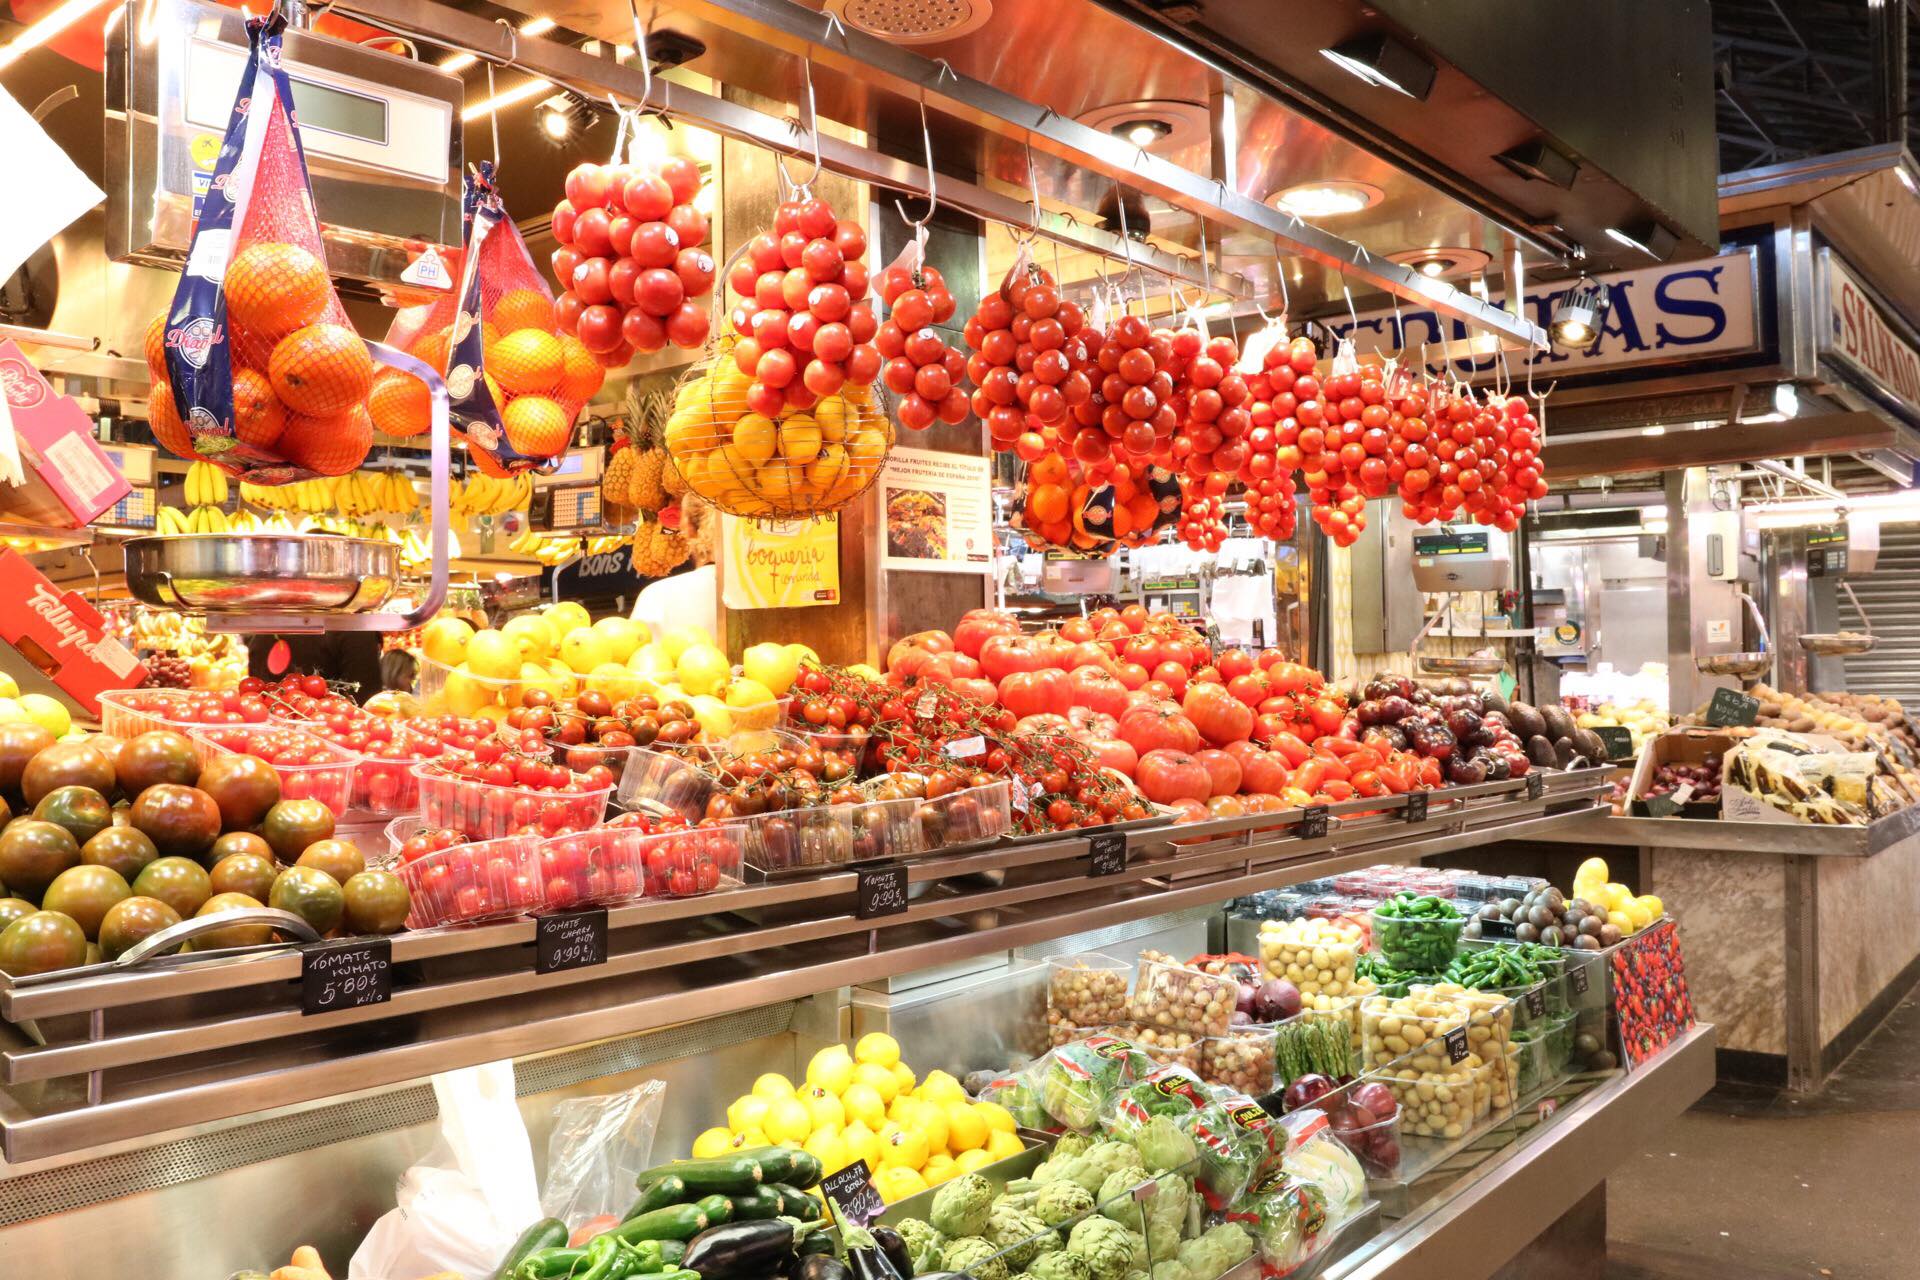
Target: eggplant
<point>870,1263</point>
<point>739,1250</point>
<point>820,1266</point>
<point>895,1248</point>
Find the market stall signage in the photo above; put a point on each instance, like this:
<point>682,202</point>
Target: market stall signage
<point>345,975</point>
<point>1416,810</point>
<point>1107,853</point>
<point>1616,741</point>
<point>609,574</point>
<point>880,891</point>
<point>1313,822</point>
<point>780,564</point>
<point>1659,315</point>
<point>851,1189</point>
<point>569,940</point>
<point>937,511</point>
<point>1859,337</point>
<point>1450,543</point>
<point>1732,709</point>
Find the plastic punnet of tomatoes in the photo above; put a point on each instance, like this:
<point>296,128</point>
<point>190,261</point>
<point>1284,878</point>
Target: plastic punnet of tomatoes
<point>465,882</point>
<point>256,366</point>
<point>508,795</point>
<point>128,713</point>
<point>594,867</point>
<point>516,381</point>
<point>697,860</point>
<point>310,767</point>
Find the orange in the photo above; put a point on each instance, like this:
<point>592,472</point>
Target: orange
<point>163,416</point>
<point>522,309</point>
<point>433,349</point>
<point>321,369</point>
<point>528,362</point>
<point>157,348</point>
<point>1047,503</point>
<point>584,375</point>
<point>400,405</point>
<point>537,426</point>
<point>329,444</point>
<point>273,289</point>
<point>258,418</point>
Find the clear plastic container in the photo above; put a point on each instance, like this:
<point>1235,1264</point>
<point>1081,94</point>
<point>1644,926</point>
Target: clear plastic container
<point>1085,992</point>
<point>694,861</point>
<point>666,781</point>
<point>385,785</point>
<point>442,690</point>
<point>118,720</point>
<point>1443,1049</point>
<point>594,867</point>
<point>1413,943</point>
<point>1173,997</point>
<point>1168,1048</point>
<point>1316,955</point>
<point>797,840</point>
<point>972,816</point>
<point>328,779</point>
<point>1242,1059</point>
<point>1376,1146</point>
<point>1542,1053</point>
<point>487,810</point>
<point>484,880</point>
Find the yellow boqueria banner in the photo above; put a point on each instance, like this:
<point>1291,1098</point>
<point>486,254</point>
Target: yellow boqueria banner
<point>781,564</point>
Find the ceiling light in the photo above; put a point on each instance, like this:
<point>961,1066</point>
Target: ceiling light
<point>1649,238</point>
<point>506,98</point>
<point>45,29</point>
<point>1326,199</point>
<point>534,27</point>
<point>1538,162</point>
<point>1381,60</point>
<point>1433,268</point>
<point>1786,400</point>
<point>1143,133</point>
<point>1439,262</point>
<point>1578,318</point>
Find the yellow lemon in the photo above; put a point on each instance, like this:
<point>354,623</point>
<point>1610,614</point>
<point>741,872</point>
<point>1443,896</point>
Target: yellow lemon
<point>881,1078</point>
<point>903,1075</point>
<point>828,1147</point>
<point>563,676</point>
<point>753,704</point>
<point>583,649</point>
<point>998,1118</point>
<point>750,1139</point>
<point>800,439</point>
<point>712,715</point>
<point>493,655</point>
<point>650,663</point>
<point>966,1128</point>
<point>748,1111</point>
<point>1654,907</point>
<point>904,1109</point>
<point>772,665</point>
<point>534,675</point>
<point>623,636</point>
<point>903,1147</point>
<point>939,1168</point>
<point>878,1048</point>
<point>864,1103</point>
<point>711,1143</point>
<point>831,1069</point>
<point>788,1120</point>
<point>896,1182</point>
<point>754,437</point>
<point>493,712</point>
<point>9,687</point>
<point>773,1086</point>
<point>858,1142</point>
<point>1001,1145</point>
<point>466,693</point>
<point>930,1122</point>
<point>444,640</point>
<point>865,672</point>
<point>614,680</point>
<point>939,1086</point>
<point>804,654</point>
<point>971,1161</point>
<point>675,641</point>
<point>534,635</point>
<point>568,615</point>
<point>701,668</point>
<point>826,1110</point>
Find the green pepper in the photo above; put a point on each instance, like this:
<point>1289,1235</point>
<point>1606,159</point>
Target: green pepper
<point>604,1256</point>
<point>550,1264</point>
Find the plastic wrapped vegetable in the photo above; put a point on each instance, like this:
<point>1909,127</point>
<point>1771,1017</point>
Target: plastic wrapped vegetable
<point>1060,1265</point>
<point>1209,1256</point>
<point>961,1207</point>
<point>1110,1249</point>
<point>1286,1217</point>
<point>1172,1091</point>
<point>1236,1140</point>
<point>1076,1080</point>
<point>978,1257</point>
<point>924,1243</point>
<point>1017,1094</point>
<point>1022,1234</point>
<point>1061,1203</point>
<point>1314,1155</point>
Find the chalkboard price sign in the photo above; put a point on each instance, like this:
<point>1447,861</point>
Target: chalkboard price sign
<point>1456,1041</point>
<point>1730,708</point>
<point>345,975</point>
<point>882,891</point>
<point>1616,741</point>
<point>1499,929</point>
<point>1313,822</point>
<point>1107,854</point>
<point>851,1190</point>
<point>1536,784</point>
<point>1416,810</point>
<point>569,940</point>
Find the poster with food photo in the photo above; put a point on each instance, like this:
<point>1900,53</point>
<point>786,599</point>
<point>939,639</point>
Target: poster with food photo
<point>938,509</point>
<point>916,524</point>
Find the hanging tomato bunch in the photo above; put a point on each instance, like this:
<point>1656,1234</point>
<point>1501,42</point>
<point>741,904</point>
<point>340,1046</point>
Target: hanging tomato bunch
<point>1128,415</point>
<point>630,265</point>
<point>1466,457</point>
<point>1210,399</point>
<point>921,369</point>
<point>806,327</point>
<point>1021,370</point>
<point>1203,513</point>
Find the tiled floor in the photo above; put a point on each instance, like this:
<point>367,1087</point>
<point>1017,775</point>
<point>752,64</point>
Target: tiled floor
<point>1757,1185</point>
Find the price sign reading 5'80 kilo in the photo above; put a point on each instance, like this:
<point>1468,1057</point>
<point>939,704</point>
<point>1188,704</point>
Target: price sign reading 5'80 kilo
<point>345,975</point>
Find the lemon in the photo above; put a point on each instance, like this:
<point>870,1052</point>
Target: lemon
<point>896,1182</point>
<point>788,1120</point>
<point>878,1048</point>
<point>939,1168</point>
<point>624,636</point>
<point>772,665</point>
<point>864,1103</point>
<point>966,1127</point>
<point>772,1086</point>
<point>1001,1145</point>
<point>858,1142</point>
<point>828,1147</point>
<point>998,1118</point>
<point>614,680</point>
<point>931,1121</point>
<point>1653,906</point>
<point>747,1111</point>
<point>493,656</point>
<point>941,1087</point>
<point>827,1111</point>
<point>831,1069</point>
<point>880,1078</point>
<point>750,1139</point>
<point>971,1161</point>
<point>701,668</point>
<point>466,694</point>
<point>753,436</point>
<point>444,640</point>
<point>712,1142</point>
<point>903,1108</point>
<point>675,641</point>
<point>583,649</point>
<point>865,672</point>
<point>752,704</point>
<point>903,1076</point>
<point>534,635</point>
<point>568,615</point>
<point>903,1147</point>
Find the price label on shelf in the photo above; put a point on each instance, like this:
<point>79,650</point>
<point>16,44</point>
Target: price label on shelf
<point>569,940</point>
<point>1107,853</point>
<point>1661,807</point>
<point>1730,708</point>
<point>852,1192</point>
<point>881,891</point>
<point>1501,929</point>
<point>345,975</point>
<point>1313,822</point>
<point>1456,1042</point>
<point>1616,741</point>
<point>1416,810</point>
<point>1578,977</point>
<point>1536,784</point>
<point>1536,1002</point>
<point>925,705</point>
<point>967,748</point>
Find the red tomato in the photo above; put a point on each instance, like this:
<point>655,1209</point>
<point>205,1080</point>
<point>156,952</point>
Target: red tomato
<point>1004,654</point>
<point>977,626</point>
<point>1094,688</point>
<point>976,689</point>
<point>1173,675</point>
<point>1226,806</point>
<point>1234,662</point>
<point>1327,715</point>
<point>1220,717</point>
<point>1166,776</point>
<point>1113,753</point>
<point>1223,769</point>
<point>1027,692</point>
<point>910,653</point>
<point>1131,674</point>
<point>1250,689</point>
<point>1266,771</point>
<point>1158,727</point>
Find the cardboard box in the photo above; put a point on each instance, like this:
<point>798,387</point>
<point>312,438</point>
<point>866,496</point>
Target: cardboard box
<point>1676,746</point>
<point>62,635</point>
<point>70,480</point>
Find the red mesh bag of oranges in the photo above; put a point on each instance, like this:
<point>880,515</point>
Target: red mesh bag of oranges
<point>515,383</point>
<point>255,365</point>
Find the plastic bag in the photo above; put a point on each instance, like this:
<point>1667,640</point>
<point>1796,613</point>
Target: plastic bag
<point>461,1208</point>
<point>516,383</point>
<point>257,367</point>
<point>599,1148</point>
<point>1075,1081</point>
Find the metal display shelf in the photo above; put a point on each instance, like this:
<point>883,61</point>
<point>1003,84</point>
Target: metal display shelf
<point>95,1058</point>
<point>1770,839</point>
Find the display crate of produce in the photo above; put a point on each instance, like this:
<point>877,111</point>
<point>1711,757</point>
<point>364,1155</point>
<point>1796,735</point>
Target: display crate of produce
<point>489,810</point>
<point>1416,931</point>
<point>480,880</point>
<point>694,861</point>
<point>1171,996</point>
<point>1084,994</point>
<point>969,818</point>
<point>665,781</point>
<point>128,713</point>
<point>1242,1059</point>
<point>1544,1052</point>
<point>1316,955</point>
<point>309,767</point>
<point>1167,1047</point>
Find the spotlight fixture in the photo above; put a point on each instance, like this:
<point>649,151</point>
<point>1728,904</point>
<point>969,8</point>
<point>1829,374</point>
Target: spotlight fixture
<point>1328,199</point>
<point>1143,132</point>
<point>1135,223</point>
<point>1381,60</point>
<point>1442,261</point>
<point>1649,238</point>
<point>1538,162</point>
<point>561,116</point>
<point>1577,320</point>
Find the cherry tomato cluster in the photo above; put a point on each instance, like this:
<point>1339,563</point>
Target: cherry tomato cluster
<point>1211,401</point>
<point>1130,417</point>
<point>1022,337</point>
<point>310,768</point>
<point>426,840</point>
<point>455,879</point>
<point>630,264</point>
<point>921,369</point>
<point>496,792</point>
<point>1454,456</point>
<point>1203,515</point>
<point>805,323</point>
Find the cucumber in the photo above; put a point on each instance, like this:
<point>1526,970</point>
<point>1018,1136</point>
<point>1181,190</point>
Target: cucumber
<point>722,1175</point>
<point>548,1233</point>
<point>676,1222</point>
<point>718,1209</point>
<point>667,1189</point>
<point>785,1164</point>
<point>766,1201</point>
<point>794,1203</point>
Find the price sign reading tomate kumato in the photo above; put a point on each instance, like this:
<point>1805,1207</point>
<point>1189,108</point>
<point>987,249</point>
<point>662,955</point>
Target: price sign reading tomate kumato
<point>345,975</point>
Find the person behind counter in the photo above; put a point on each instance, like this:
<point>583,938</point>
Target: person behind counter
<point>352,656</point>
<point>692,594</point>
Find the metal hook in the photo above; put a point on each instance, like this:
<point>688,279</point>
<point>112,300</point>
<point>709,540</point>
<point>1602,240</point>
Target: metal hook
<point>1033,185</point>
<point>813,120</point>
<point>1353,317</point>
<point>493,114</point>
<point>933,198</point>
<point>1280,269</point>
<point>640,52</point>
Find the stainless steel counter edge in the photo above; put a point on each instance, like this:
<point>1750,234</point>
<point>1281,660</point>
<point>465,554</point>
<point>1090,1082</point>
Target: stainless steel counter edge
<point>1896,830</point>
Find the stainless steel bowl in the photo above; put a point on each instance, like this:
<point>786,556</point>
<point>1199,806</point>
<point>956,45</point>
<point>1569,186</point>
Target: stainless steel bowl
<point>1838,644</point>
<point>262,572</point>
<point>1744,665</point>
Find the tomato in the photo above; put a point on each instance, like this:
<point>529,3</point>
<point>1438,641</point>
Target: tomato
<point>1218,715</point>
<point>1043,722</point>
<point>1265,771</point>
<point>1226,806</point>
<point>1004,654</point>
<point>1159,726</point>
<point>1291,677</point>
<point>1222,769</point>
<point>927,643</point>
<point>1027,692</point>
<point>1113,753</point>
<point>977,626</point>
<point>1078,630</point>
<point>1173,675</point>
<point>1234,662</point>
<point>1294,751</point>
<point>1097,690</point>
<point>1135,617</point>
<point>1327,714</point>
<point>1166,776</point>
<point>1131,674</point>
<point>974,688</point>
<point>1249,688</point>
<point>1089,653</point>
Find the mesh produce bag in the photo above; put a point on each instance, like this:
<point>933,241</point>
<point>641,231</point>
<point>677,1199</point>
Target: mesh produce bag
<point>256,367</point>
<point>516,383</point>
<point>1057,504</point>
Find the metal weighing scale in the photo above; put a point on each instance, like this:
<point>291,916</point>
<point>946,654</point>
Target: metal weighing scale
<point>1746,667</point>
<point>1447,562</point>
<point>1843,644</point>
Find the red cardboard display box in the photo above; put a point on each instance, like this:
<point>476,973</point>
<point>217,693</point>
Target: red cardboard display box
<point>62,635</point>
<point>69,478</point>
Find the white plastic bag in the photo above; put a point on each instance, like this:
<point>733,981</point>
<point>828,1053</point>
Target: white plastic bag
<point>462,1207</point>
<point>599,1148</point>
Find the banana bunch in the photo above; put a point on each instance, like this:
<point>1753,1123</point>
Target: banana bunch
<point>490,495</point>
<point>311,497</point>
<point>206,485</point>
<point>397,496</point>
<point>549,550</point>
<point>414,553</point>
<point>208,520</point>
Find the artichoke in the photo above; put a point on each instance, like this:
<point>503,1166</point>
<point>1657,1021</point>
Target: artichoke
<point>924,1243</point>
<point>1060,1203</point>
<point>962,1206</point>
<point>1060,1265</point>
<point>977,1257</point>
<point>1109,1248</point>
<point>1022,1235</point>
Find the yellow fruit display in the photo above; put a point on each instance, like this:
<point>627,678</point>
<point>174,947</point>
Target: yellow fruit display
<point>998,1118</point>
<point>896,1182</point>
<point>568,615</point>
<point>713,1142</point>
<point>788,1120</point>
<point>966,1128</point>
<point>534,635</point>
<point>702,669</point>
<point>774,665</point>
<point>831,1069</point>
<point>493,655</point>
<point>445,640</point>
<point>864,1104</point>
<point>772,1086</point>
<point>973,1161</point>
<point>906,1147</point>
<point>939,1168</point>
<point>882,1080</point>
<point>747,1112</point>
<point>824,1109</point>
<point>1002,1145</point>
<point>829,1148</point>
<point>878,1048</point>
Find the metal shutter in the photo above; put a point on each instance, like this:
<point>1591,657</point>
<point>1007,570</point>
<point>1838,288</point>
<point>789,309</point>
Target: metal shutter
<point>1891,597</point>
